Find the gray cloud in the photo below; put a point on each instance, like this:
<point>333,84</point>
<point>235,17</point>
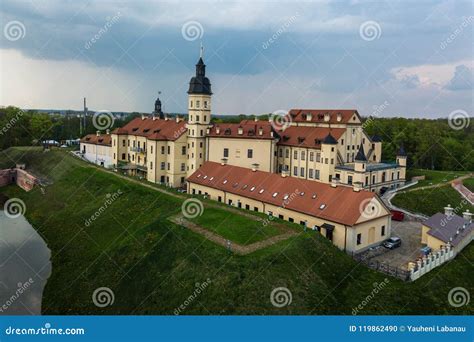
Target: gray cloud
<point>463,79</point>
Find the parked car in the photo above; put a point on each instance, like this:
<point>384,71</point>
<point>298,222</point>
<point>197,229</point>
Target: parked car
<point>425,250</point>
<point>398,215</point>
<point>393,242</point>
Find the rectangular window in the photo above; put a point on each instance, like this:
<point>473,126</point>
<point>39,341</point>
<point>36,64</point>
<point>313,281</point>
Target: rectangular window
<point>183,166</point>
<point>226,152</point>
<point>290,219</point>
<point>287,153</point>
<point>310,173</point>
<point>169,149</point>
<point>302,172</point>
<point>123,143</point>
<point>383,231</point>
<point>303,155</point>
<point>198,104</point>
<point>183,150</point>
<point>318,157</point>
<point>359,239</point>
<point>326,160</point>
<point>162,165</point>
<point>349,180</point>
<point>295,155</point>
<point>151,149</point>
<point>311,156</point>
<point>249,153</point>
<point>255,209</point>
<point>123,156</point>
<point>162,150</point>
<point>295,171</point>
<point>151,165</point>
<point>280,152</point>
<point>316,174</point>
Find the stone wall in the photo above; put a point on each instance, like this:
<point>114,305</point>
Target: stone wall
<point>22,178</point>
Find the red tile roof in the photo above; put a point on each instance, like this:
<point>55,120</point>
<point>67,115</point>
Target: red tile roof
<point>103,139</point>
<point>341,203</point>
<point>250,130</point>
<point>305,136</point>
<point>317,115</point>
<point>158,129</point>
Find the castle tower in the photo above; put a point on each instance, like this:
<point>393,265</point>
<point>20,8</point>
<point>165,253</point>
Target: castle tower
<point>360,165</point>
<point>199,116</point>
<point>328,158</point>
<point>158,111</point>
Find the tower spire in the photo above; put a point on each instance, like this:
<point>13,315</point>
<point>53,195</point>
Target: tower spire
<point>201,51</point>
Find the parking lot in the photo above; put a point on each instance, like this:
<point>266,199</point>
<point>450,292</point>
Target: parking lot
<point>410,233</point>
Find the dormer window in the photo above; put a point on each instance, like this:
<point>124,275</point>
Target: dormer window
<point>199,175</point>
<point>286,197</point>
<point>225,181</point>
<point>205,177</point>
<point>314,196</point>
<point>275,194</point>
<point>245,187</point>
<point>211,178</point>
<point>322,206</point>
<point>252,188</point>
<point>261,191</point>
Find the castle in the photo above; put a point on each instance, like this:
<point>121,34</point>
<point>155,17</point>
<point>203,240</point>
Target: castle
<point>324,150</point>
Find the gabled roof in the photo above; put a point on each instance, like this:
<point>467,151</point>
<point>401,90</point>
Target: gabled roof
<point>304,136</point>
<point>329,139</point>
<point>445,228</point>
<point>340,204</point>
<point>250,130</point>
<point>103,139</point>
<point>317,115</point>
<point>157,129</point>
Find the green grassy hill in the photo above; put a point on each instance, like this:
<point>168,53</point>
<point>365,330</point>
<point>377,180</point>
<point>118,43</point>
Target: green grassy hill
<point>153,265</point>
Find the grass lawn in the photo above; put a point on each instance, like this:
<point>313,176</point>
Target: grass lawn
<point>240,229</point>
<point>431,201</point>
<point>469,183</point>
<point>153,265</point>
<point>433,176</point>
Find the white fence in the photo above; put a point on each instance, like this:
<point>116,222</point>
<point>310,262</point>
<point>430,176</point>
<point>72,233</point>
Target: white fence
<point>431,261</point>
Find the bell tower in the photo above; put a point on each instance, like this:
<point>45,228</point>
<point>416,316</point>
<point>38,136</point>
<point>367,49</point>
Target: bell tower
<point>199,115</point>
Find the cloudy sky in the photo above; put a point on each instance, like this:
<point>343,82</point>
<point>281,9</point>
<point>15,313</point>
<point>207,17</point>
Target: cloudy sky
<point>411,58</point>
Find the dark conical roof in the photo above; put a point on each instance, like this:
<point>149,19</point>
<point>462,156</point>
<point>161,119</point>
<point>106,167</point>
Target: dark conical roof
<point>376,138</point>
<point>200,84</point>
<point>401,152</point>
<point>361,154</point>
<point>330,140</point>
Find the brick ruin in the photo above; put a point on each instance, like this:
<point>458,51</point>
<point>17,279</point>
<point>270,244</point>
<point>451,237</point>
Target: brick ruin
<point>19,177</point>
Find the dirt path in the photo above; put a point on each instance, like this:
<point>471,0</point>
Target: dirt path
<point>234,247</point>
<point>456,180</point>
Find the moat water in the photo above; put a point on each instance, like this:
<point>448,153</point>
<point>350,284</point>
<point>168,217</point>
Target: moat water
<point>24,266</point>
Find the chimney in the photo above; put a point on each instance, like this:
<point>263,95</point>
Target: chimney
<point>143,116</point>
<point>448,211</point>
<point>334,182</point>
<point>240,130</point>
<point>98,133</point>
<point>208,130</point>
<point>260,130</point>
<point>154,118</point>
<point>255,167</point>
<point>326,117</point>
<point>357,186</point>
<point>177,118</point>
<point>107,131</point>
<point>166,118</point>
<point>339,117</point>
<point>255,119</point>
<point>309,117</point>
<point>224,161</point>
<point>467,215</point>
<point>218,130</point>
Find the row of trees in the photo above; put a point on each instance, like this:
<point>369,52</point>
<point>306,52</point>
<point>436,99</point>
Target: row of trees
<point>430,144</point>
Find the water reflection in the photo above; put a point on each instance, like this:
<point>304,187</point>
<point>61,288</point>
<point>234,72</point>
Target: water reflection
<point>24,267</point>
